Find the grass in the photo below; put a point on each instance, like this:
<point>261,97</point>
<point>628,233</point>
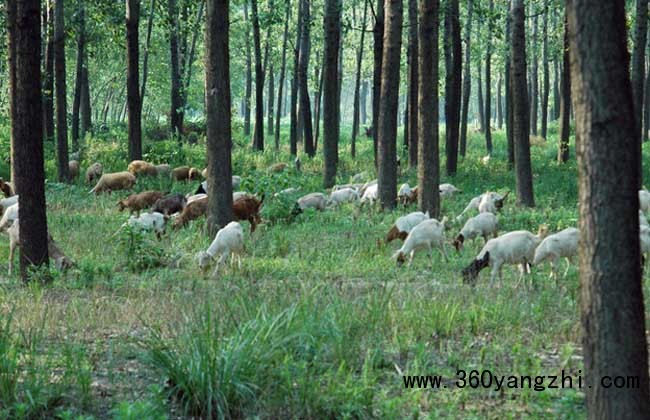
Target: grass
<point>319,322</point>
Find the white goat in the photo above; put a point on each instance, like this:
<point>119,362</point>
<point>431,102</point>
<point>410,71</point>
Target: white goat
<point>484,224</point>
<point>8,217</point>
<point>5,203</point>
<point>343,195</point>
<point>371,194</point>
<point>428,234</point>
<point>517,247</point>
<point>448,190</point>
<point>61,261</point>
<point>147,222</point>
<point>405,224</point>
<point>644,200</point>
<point>474,204</point>
<point>404,193</point>
<point>313,200</point>
<point>563,244</point>
<point>229,241</point>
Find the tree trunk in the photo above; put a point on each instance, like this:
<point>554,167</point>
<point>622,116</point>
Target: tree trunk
<point>499,104</point>
<point>218,115</point>
<point>27,153</point>
<point>520,108</point>
<point>411,126</point>
<point>175,68</point>
<point>317,106</point>
<point>258,133</point>
<point>357,84</point>
<point>388,107</point>
<point>269,103</point>
<point>48,76</point>
<point>293,136</point>
<point>378,51</point>
<point>283,69</point>
<point>331,130</point>
<point>145,58</point>
<point>565,101</point>
<point>510,138</point>
<point>429,165</point>
<point>133,79</point>
<point>480,102</point>
<point>556,89</point>
<point>249,75</point>
<point>613,324</point>
<point>488,84</point>
<point>187,75</point>
<point>467,80</point>
<point>638,74</point>
<point>646,108</point>
<point>85,111</point>
<point>534,83</point>
<point>303,67</point>
<point>61,105</point>
<point>76,104</point>
<point>364,101</point>
<point>546,88</point>
<point>453,63</point>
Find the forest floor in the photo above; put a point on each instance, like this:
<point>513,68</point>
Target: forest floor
<point>318,322</point>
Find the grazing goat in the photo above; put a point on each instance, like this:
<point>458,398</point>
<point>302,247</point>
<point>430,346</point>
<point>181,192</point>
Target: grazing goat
<point>185,173</point>
<point>229,241</point>
<point>148,222</point>
<point>484,224</point>
<point>140,201</point>
<point>61,261</point>
<point>371,194</point>
<point>278,167</point>
<point>248,208</point>
<point>353,186</point>
<point>73,169</point>
<point>474,204</point>
<point>448,190</point>
<point>428,234</point>
<point>365,186</point>
<point>203,186</point>
<point>314,200</point>
<point>94,172</point>
<point>563,244</point>
<point>343,195</point>
<point>192,211</point>
<point>517,247</point>
<point>114,181</point>
<point>404,194</point>
<point>405,224</point>
<point>163,169</point>
<point>170,204</point>
<point>6,188</point>
<point>286,191</point>
<point>141,167</point>
<point>5,203</point>
<point>8,217</point>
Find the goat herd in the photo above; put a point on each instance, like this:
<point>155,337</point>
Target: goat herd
<point>417,230</point>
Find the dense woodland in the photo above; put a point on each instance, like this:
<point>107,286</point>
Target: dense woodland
<point>264,148</point>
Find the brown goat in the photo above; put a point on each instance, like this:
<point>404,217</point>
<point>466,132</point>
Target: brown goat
<point>94,172</point>
<point>248,208</point>
<point>192,211</point>
<point>140,201</point>
<point>170,204</point>
<point>6,189</point>
<point>185,173</point>
<point>395,233</point>
<point>141,167</point>
<point>278,167</point>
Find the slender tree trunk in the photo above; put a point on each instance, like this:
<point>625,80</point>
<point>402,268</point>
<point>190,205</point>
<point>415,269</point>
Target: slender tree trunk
<point>357,84</point>
<point>387,133</point>
<point>133,79</point>
<point>331,130</point>
<point>258,133</point>
<point>294,86</point>
<point>175,68</point>
<point>76,104</point>
<point>499,104</point>
<point>546,88</point>
<point>48,76</point>
<point>303,67</point>
<point>145,57</point>
<point>508,96</point>
<point>249,75</point>
<point>269,103</point>
<point>283,69</point>
<point>61,105</point>
<point>480,102</point>
<point>488,84</point>
<point>378,51</point>
<point>364,102</point>
<point>613,322</point>
<point>85,111</point>
<point>646,107</point>
<point>190,61</point>
<point>218,115</point>
<point>521,113</point>
<point>27,152</point>
<point>453,63</point>
<point>638,74</point>
<point>565,101</point>
<point>429,165</point>
<point>467,80</point>
<point>317,118</point>
<point>534,82</point>
<point>411,126</point>
<point>556,89</point>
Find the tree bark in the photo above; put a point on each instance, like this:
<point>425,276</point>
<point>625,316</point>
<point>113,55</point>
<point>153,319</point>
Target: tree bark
<point>293,134</point>
<point>133,79</point>
<point>429,165</point>
<point>303,78</point>
<point>218,115</point>
<point>48,76</point>
<point>364,100</point>
<point>317,106</point>
<point>510,138</point>
<point>249,75</point>
<point>546,88</point>
<point>76,104</point>
<point>61,105</point>
<point>480,102</point>
<point>556,89</point>
<point>565,101</point>
<point>283,69</point>
<point>534,82</point>
<point>357,84</point>
<point>378,51</point>
<point>331,130</point>
<point>175,68</point>
<point>488,84</point>
<point>269,103</point>
<point>521,110</point>
<point>85,111</point>
<point>412,95</point>
<point>638,74</point>
<point>467,80</point>
<point>646,108</point>
<point>613,324</point>
<point>453,63</point>
<point>258,133</point>
<point>499,104</point>
<point>388,107</point>
<point>147,44</point>
<point>23,26</point>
